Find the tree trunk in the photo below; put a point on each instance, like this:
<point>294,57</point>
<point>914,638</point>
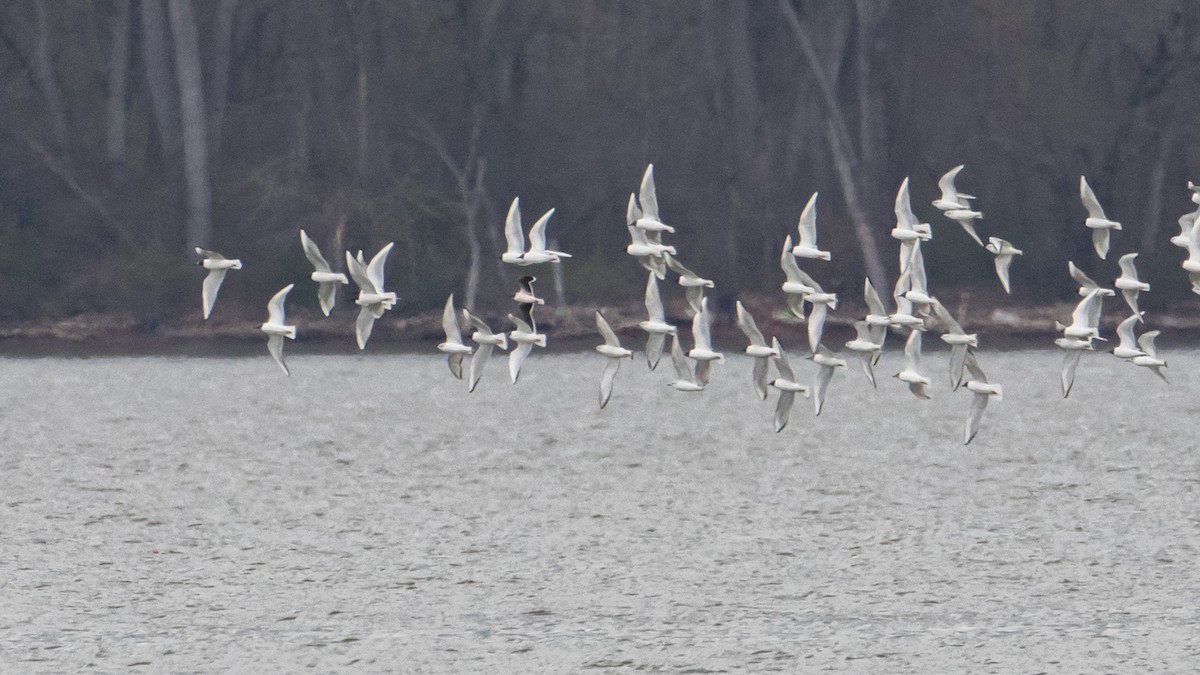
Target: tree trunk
<point>219,74</point>
<point>195,138</point>
<point>1152,216</point>
<point>118,65</point>
<point>44,72</point>
<point>163,96</point>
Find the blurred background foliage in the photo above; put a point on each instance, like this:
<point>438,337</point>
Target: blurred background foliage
<point>131,130</point>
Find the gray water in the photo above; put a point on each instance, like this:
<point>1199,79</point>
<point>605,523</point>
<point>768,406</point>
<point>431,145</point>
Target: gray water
<point>367,514</point>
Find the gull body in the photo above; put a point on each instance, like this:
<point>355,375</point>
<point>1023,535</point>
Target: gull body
<point>686,380</point>
<point>1085,319</point>
<point>692,283</point>
<point>649,219</point>
<point>966,218</point>
<point>1074,348</point>
<point>614,352</point>
<point>787,386</point>
<point>702,350</point>
<point>487,340</point>
<point>1127,347</point>
<point>537,253</point>
<point>327,280</point>
<point>655,324</point>
<point>951,198</point>
<point>908,228</point>
<point>525,294</point>
<point>917,383</point>
<point>1096,220</point>
<point>958,339</point>
<point>807,246</point>
<point>1186,222</point>
<point>1128,282</point>
<point>983,390</point>
<point>758,349</point>
<point>453,347</point>
<point>829,362</point>
<point>866,347</point>
<point>797,285</point>
<point>648,254</point>
<point>1004,253</point>
<point>275,329</point>
<point>1149,358</point>
<point>217,265</point>
<point>877,318</point>
<point>372,299</point>
<point>525,336</point>
<point>1192,263</point>
<point>1086,285</point>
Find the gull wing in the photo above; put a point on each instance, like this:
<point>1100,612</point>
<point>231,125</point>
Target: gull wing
<point>701,330</point>
<point>759,377</point>
<point>647,195</point>
<point>1125,333</point>
<point>781,361</point>
<point>1093,313</point>
<point>808,223</point>
<point>916,268</point>
<point>946,185</point>
<point>1089,200</point>
<point>654,306</point>
<point>783,409</point>
<point>824,375</point>
<point>606,331</point>
<point>1145,343</point>
<point>654,348</point>
<point>1100,240</point>
<point>327,295</point>
<point>865,359</point>
<point>476,323</point>
<point>958,358</point>
<point>632,211</point>
<point>912,351</point>
<point>275,346</point>
<point>358,272</point>
<point>695,297</point>
<point>816,325</point>
<point>363,326</point>
<point>375,269</point>
<point>745,321</point>
<point>606,379</point>
<point>521,324</point>
<point>703,370</point>
<point>275,309</point>
<point>637,236</point>
<point>537,233</point>
<point>1083,311</point>
<point>1070,363</point>
<point>513,235</point>
<point>205,253</point>
<point>1002,262</point>
<point>946,320</point>
<point>679,269</point>
<point>455,362</point>
<point>973,368</point>
<point>450,322</point>
<point>210,288</point>
<point>1080,278</point>
<point>682,369</point>
<point>874,302</point>
<point>905,218</point>
<point>482,353</point>
<point>313,253</point>
<point>1128,269</point>
<point>517,357</point>
<point>978,405</point>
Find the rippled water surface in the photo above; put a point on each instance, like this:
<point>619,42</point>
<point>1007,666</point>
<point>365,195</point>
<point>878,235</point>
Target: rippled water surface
<point>367,514</point>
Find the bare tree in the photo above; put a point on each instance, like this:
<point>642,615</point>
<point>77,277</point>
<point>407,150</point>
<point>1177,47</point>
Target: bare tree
<point>118,66</point>
<point>44,72</point>
<point>195,139</point>
<point>164,98</point>
<point>853,160</point>
<point>222,45</point>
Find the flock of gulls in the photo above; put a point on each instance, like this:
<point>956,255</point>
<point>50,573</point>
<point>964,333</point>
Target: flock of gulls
<point>916,310</point>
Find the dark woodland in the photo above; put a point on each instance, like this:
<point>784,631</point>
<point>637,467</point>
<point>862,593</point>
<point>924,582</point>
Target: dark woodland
<point>133,130</point>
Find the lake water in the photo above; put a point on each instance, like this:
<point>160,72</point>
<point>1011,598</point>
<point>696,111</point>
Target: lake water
<point>367,514</point>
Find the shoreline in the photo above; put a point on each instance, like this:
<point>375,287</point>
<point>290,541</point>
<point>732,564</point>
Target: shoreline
<point>123,334</point>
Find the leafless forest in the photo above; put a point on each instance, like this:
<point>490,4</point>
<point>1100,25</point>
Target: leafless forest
<point>131,130</point>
